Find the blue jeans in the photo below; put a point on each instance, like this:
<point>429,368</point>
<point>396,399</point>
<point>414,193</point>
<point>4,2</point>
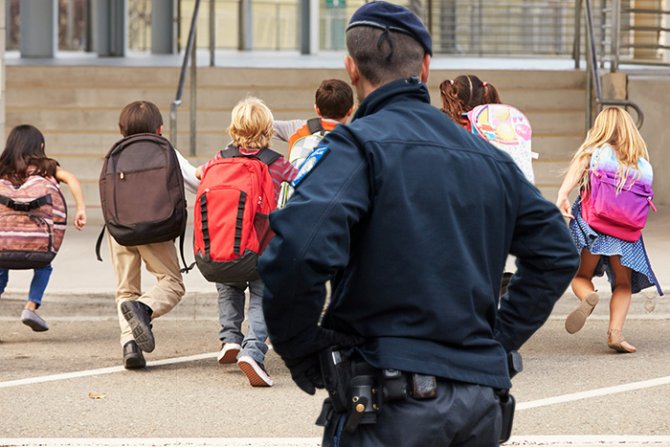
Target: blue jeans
<point>37,286</point>
<point>231,316</point>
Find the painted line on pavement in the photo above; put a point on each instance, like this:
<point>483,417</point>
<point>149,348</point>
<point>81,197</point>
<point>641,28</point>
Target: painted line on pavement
<point>660,381</point>
<point>633,386</point>
<point>556,441</point>
<point>100,371</point>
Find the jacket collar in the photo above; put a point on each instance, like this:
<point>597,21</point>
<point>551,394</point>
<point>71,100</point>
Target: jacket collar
<point>402,88</point>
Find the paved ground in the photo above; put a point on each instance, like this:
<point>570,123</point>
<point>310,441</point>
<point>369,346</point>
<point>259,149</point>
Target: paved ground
<point>66,386</point>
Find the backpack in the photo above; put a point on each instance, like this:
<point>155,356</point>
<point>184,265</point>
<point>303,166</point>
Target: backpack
<point>508,129</point>
<point>142,192</point>
<point>33,219</point>
<point>231,222</point>
<point>622,214</point>
<point>302,144</point>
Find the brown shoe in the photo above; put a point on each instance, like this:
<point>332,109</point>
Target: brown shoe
<point>615,341</point>
<point>577,318</point>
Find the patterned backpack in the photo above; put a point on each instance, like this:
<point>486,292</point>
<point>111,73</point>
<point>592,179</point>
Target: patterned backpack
<point>33,219</point>
<point>508,129</point>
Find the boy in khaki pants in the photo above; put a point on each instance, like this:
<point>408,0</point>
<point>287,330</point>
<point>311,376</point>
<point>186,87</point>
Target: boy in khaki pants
<point>135,308</point>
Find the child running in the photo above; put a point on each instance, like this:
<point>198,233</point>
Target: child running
<point>24,155</point>
<point>614,145</point>
<point>251,131</point>
<point>137,309</point>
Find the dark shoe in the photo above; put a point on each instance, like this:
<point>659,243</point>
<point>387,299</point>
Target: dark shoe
<point>138,316</point>
<point>132,356</point>
<point>34,321</point>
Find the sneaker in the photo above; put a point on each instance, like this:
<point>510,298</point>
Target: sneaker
<point>34,321</point>
<point>254,371</point>
<point>228,353</point>
<point>132,356</point>
<point>138,316</point>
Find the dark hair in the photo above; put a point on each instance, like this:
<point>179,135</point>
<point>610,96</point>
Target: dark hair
<point>24,155</point>
<point>334,98</point>
<point>383,56</point>
<point>465,93</point>
<point>140,117</point>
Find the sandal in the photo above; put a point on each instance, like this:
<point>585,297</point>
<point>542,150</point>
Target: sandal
<point>577,318</point>
<point>615,341</point>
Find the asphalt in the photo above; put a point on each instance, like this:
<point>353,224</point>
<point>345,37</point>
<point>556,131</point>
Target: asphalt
<point>66,386</point>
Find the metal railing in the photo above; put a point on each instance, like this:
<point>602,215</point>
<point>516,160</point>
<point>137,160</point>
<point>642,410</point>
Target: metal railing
<point>189,52</point>
<point>640,35</point>
<point>594,86</point>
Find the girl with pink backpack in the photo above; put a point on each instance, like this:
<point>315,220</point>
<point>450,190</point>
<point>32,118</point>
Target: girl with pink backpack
<point>612,170</point>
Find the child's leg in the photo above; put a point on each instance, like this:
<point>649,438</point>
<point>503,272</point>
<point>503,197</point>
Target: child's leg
<point>582,286</point>
<point>127,266</point>
<point>4,277</point>
<point>254,343</point>
<point>252,357</point>
<point>37,287</point>
<point>231,312</point>
<point>619,305</point>
<point>162,262</point>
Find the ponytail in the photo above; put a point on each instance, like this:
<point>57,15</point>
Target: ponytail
<point>452,105</point>
<point>490,94</point>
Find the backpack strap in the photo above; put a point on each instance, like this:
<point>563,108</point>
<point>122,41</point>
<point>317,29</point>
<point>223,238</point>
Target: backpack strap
<point>187,268</point>
<point>314,125</point>
<point>98,243</point>
<point>25,206</point>
<point>266,155</point>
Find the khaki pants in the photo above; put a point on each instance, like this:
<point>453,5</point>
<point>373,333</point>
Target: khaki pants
<point>161,261</point>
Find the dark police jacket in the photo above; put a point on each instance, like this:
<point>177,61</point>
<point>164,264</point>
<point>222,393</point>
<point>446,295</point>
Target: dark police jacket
<point>413,219</point>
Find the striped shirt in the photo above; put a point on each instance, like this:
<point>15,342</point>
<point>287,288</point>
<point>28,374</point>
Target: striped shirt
<point>280,170</point>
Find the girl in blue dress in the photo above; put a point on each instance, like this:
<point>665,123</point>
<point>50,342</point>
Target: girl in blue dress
<point>614,145</point>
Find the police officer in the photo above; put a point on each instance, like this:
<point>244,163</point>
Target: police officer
<point>412,219</point>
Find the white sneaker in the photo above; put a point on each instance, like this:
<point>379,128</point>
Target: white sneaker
<point>254,371</point>
<point>228,353</point>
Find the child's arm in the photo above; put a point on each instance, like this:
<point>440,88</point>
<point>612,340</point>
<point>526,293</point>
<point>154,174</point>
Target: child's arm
<point>188,173</point>
<point>285,128</point>
<point>198,172</point>
<point>73,183</point>
<point>572,178</point>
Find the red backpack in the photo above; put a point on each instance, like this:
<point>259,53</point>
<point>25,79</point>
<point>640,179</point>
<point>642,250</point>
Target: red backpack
<point>32,223</point>
<point>231,226</point>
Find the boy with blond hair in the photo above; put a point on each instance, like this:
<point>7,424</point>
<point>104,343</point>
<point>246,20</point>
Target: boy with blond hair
<point>251,131</point>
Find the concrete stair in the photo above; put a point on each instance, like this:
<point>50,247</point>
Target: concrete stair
<point>77,108</point>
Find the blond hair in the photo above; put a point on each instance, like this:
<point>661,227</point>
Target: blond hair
<point>614,126</point>
<point>251,124</point>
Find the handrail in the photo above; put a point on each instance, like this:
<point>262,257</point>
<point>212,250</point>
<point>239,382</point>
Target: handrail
<point>182,78</point>
<point>594,71</point>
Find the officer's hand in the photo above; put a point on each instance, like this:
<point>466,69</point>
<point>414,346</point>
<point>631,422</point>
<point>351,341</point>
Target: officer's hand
<point>328,338</point>
<point>306,373</point>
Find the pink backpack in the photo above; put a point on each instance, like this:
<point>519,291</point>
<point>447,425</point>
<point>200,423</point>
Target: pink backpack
<point>620,214</point>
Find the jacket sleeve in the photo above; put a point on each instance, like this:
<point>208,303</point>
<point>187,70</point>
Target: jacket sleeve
<point>546,261</point>
<point>313,235</point>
